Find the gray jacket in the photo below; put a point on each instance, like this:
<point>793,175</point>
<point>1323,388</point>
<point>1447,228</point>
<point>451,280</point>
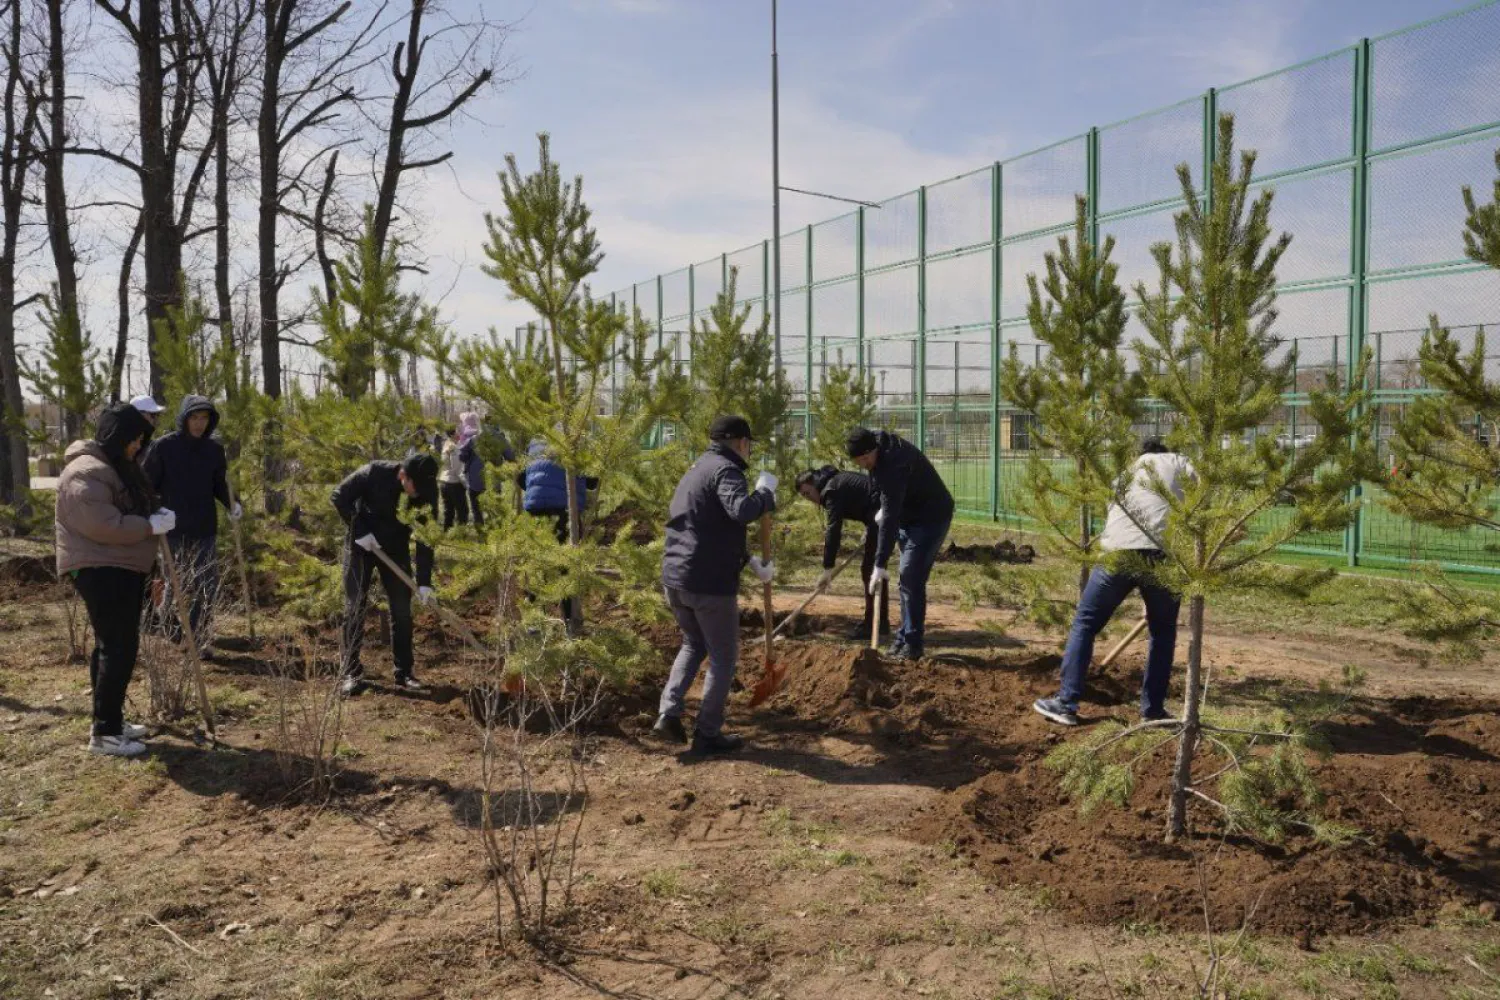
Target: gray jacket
<point>706,524</point>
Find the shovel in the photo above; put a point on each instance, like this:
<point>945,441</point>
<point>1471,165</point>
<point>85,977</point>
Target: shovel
<point>771,673</point>
<point>806,601</point>
<point>1109,657</point>
<point>184,613</point>
<point>459,625</point>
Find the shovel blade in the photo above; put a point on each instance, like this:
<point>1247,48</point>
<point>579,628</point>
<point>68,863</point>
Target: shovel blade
<point>769,683</point>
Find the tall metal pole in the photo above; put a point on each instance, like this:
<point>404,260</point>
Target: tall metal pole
<point>776,195</point>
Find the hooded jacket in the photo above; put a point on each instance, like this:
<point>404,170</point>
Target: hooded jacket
<point>92,526</point>
<point>545,484</point>
<point>369,503</point>
<point>847,496</point>
<point>189,473</point>
<point>911,491</point>
<point>706,523</point>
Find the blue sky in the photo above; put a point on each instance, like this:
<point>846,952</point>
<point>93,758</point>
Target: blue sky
<point>662,105</point>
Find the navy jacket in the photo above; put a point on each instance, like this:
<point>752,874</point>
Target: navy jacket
<point>706,524</point>
<point>369,501</point>
<point>847,496</point>
<point>188,473</point>
<point>545,484</point>
<point>911,491</point>
<point>473,462</point>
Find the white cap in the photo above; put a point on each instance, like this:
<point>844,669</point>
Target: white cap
<point>146,404</point>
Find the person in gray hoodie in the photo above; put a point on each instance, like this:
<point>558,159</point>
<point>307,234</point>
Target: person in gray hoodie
<point>188,469</point>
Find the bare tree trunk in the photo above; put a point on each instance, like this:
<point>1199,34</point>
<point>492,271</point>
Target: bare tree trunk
<point>20,114</point>
<point>122,327</point>
<point>1192,704</point>
<point>320,229</point>
<point>163,251</point>
<point>59,226</point>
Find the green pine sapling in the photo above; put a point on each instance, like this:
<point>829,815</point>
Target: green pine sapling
<point>70,372</point>
<point>845,399</point>
<point>1447,453</point>
<point>1211,358</point>
<point>1084,399</point>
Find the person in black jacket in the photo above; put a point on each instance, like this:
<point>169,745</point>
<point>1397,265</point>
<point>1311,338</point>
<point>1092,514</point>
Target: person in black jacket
<point>700,573</point>
<point>187,468</point>
<point>848,496</point>
<point>369,502</point>
<point>915,509</point>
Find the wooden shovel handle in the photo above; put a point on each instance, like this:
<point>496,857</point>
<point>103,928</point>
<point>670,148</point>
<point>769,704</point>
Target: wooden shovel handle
<point>1109,657</point>
<point>461,626</point>
<point>765,556</point>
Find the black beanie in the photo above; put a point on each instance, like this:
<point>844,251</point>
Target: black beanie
<point>422,469</point>
<point>861,441</point>
<point>119,424</point>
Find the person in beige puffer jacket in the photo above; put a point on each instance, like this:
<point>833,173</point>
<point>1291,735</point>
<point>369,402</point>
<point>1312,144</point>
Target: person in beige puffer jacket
<point>106,543</point>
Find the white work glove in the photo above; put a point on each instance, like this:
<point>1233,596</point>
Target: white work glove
<point>367,542</point>
<point>236,512</point>
<point>880,517</point>
<point>162,521</point>
<point>427,597</point>
<point>766,571</point>
<point>877,577</point>
<point>766,481</point>
<point>824,579</point>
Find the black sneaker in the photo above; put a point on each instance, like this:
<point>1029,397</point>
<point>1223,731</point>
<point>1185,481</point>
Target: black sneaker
<point>1159,715</point>
<point>410,683</point>
<point>352,687</point>
<point>669,729</point>
<point>722,743</point>
<point>910,654</point>
<point>896,649</point>
<point>1055,710</point>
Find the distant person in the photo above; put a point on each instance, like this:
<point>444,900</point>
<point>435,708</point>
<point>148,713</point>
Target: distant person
<point>916,509</point>
<point>369,503</point>
<point>544,494</point>
<point>469,434</point>
<point>705,552</point>
<point>849,496</point>
<point>188,468</point>
<point>453,483</point>
<point>1135,525</point>
<point>148,408</point>
<point>106,528</point>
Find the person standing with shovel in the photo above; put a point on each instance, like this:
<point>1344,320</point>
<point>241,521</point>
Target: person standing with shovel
<point>369,503</point>
<point>705,552</point>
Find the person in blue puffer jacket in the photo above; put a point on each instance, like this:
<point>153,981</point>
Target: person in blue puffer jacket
<point>544,493</point>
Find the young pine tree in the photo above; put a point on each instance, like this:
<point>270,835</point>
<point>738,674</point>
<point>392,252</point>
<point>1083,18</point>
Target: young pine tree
<point>1447,451</point>
<point>844,400</point>
<point>1084,400</point>
<point>70,372</point>
<point>1211,357</point>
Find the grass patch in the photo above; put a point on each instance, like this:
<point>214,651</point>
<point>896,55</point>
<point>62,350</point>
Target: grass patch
<point>664,883</point>
<point>233,702</point>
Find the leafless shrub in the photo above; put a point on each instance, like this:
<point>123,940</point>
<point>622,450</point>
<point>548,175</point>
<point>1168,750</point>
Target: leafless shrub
<point>309,721</point>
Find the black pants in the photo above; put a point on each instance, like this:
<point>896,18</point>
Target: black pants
<point>474,506</point>
<point>360,568</point>
<point>197,561</point>
<point>113,599</point>
<point>866,567</point>
<point>560,530</point>
<point>455,504</point>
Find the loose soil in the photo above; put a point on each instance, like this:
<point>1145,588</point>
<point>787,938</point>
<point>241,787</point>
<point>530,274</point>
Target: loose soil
<point>892,830</point>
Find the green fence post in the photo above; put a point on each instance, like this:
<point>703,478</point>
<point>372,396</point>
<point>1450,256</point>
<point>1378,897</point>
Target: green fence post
<point>661,323</point>
<point>1091,189</point>
<point>724,275</point>
<point>996,355</point>
<point>1359,261</point>
<point>765,283</point>
<point>807,392</point>
<point>921,360</point>
<point>859,289</point>
<point>692,281</point>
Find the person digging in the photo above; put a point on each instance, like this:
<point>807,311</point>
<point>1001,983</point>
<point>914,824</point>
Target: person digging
<point>916,509</point>
<point>849,496</point>
<point>705,553</point>
<point>369,503</point>
<point>1132,527</point>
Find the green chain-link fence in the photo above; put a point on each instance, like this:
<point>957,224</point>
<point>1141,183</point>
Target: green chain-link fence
<point>1367,148</point>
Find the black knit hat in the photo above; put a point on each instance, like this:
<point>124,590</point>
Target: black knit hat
<point>422,469</point>
<point>119,424</point>
<point>729,428</point>
<point>861,441</point>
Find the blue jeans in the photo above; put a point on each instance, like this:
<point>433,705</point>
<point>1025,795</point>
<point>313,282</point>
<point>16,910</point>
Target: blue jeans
<point>920,544</point>
<point>1101,598</point>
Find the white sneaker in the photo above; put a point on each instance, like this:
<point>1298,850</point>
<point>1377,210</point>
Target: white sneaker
<point>131,731</point>
<point>116,746</point>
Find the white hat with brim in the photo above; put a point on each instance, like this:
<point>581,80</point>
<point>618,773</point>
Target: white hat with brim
<point>146,404</point>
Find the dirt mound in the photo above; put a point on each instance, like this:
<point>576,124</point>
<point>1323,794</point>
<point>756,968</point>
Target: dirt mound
<point>1422,787</point>
<point>26,570</point>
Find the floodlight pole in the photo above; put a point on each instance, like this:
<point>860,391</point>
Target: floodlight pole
<point>775,195</point>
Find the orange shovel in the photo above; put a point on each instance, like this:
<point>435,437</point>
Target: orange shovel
<point>771,673</point>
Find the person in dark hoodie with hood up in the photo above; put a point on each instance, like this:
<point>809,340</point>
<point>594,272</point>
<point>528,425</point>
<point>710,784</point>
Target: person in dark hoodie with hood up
<point>849,496</point>
<point>369,503</point>
<point>188,469</point>
<point>916,509</point>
